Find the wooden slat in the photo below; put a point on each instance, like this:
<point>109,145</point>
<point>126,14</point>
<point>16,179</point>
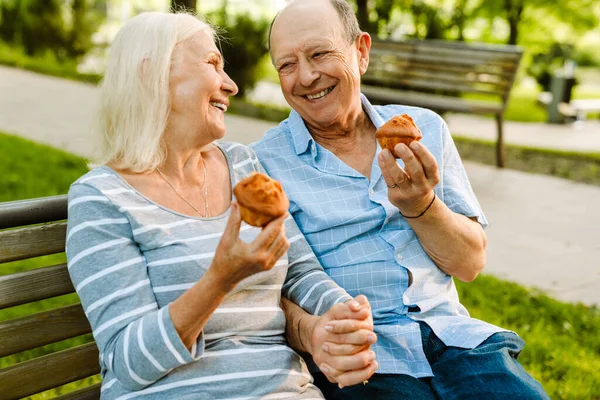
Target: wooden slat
<point>385,61</point>
<point>431,85</point>
<point>495,82</point>
<point>466,60</point>
<point>88,393</point>
<point>34,285</point>
<point>19,244</point>
<point>33,211</point>
<point>39,329</point>
<point>47,372</point>
<point>451,48</point>
<point>383,95</point>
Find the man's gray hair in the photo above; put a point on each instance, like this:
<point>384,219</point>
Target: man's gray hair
<point>347,19</point>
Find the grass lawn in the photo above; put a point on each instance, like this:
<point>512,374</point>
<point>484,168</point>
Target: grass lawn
<point>563,340</point>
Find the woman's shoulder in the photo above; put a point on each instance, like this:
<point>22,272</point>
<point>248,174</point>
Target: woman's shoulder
<point>97,180</point>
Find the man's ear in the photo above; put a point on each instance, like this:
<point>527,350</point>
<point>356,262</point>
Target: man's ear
<point>363,44</point>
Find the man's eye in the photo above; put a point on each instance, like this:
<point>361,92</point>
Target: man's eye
<point>285,66</point>
<point>318,54</point>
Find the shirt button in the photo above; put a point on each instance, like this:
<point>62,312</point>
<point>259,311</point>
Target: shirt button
<point>405,299</point>
<point>371,192</point>
<point>399,256</point>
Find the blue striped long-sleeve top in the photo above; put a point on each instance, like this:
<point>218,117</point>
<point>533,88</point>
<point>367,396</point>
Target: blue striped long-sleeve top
<point>129,258</point>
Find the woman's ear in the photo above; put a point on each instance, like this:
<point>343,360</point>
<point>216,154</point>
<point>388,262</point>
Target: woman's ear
<point>363,45</point>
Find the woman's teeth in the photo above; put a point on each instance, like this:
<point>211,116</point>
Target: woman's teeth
<point>218,105</point>
<point>320,94</point>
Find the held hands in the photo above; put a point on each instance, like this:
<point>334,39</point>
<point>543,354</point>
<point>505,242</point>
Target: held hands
<point>236,260</point>
<point>341,343</point>
<point>411,188</point>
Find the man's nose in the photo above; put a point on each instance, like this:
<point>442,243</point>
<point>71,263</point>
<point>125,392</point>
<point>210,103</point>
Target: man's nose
<point>308,73</point>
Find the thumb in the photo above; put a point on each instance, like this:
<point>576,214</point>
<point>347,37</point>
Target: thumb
<point>232,229</point>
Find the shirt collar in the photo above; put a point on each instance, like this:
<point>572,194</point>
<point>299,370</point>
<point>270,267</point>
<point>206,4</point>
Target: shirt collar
<point>301,137</point>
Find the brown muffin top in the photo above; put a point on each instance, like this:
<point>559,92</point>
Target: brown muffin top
<point>261,194</point>
<point>400,126</point>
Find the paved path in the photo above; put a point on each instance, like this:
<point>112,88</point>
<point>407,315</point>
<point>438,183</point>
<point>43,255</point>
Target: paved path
<point>544,231</point>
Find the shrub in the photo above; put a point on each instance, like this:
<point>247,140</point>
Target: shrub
<point>244,44</point>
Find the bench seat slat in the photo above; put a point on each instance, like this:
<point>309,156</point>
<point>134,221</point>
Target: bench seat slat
<point>88,393</point>
<point>447,103</point>
<point>19,244</point>
<point>34,285</point>
<point>33,211</point>
<point>43,328</point>
<point>50,371</point>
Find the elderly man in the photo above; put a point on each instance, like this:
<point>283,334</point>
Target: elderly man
<point>397,231</point>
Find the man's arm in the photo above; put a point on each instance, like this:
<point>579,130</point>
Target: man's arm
<point>454,242</point>
<point>339,341</point>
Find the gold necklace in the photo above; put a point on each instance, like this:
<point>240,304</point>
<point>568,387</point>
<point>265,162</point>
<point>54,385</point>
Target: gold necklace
<point>204,186</point>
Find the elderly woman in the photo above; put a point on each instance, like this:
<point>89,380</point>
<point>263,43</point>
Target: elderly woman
<point>183,298</point>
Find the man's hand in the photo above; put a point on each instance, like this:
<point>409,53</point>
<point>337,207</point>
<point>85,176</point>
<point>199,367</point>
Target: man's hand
<point>411,188</point>
<point>341,342</point>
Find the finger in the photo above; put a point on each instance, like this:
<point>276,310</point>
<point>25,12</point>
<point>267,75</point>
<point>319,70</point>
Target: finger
<point>232,229</point>
<point>392,173</point>
<point>430,165</point>
<point>348,325</point>
<point>269,233</point>
<point>412,165</point>
<point>343,311</point>
<point>363,301</point>
<point>336,366</point>
<point>360,337</point>
<point>350,378</point>
<point>335,349</point>
<point>280,251</point>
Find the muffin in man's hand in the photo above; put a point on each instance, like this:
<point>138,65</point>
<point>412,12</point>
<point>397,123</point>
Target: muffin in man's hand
<point>399,129</point>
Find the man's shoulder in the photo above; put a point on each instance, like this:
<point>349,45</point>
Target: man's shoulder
<point>276,139</point>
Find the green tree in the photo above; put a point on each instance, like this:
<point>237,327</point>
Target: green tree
<point>187,5</point>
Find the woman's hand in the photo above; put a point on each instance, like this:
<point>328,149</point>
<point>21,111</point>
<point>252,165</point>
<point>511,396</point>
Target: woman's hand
<point>411,188</point>
<point>236,260</point>
<point>341,342</point>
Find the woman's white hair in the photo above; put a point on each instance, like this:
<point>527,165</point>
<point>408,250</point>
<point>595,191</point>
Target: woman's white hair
<point>134,94</point>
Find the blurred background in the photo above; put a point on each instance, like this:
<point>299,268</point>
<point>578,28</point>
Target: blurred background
<point>542,279</point>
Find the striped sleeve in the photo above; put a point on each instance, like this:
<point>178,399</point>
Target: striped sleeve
<point>306,283</point>
<point>137,341</point>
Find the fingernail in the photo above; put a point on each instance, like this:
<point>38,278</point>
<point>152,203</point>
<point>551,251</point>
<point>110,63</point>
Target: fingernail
<point>371,357</point>
<point>354,304</point>
<point>414,145</point>
<point>399,149</point>
<point>328,328</point>
<point>340,386</point>
<point>325,348</point>
<point>324,369</point>
<point>371,338</point>
<point>380,156</point>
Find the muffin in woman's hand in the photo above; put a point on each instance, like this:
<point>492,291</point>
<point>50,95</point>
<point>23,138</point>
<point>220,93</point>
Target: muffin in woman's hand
<point>400,129</point>
<point>261,199</point>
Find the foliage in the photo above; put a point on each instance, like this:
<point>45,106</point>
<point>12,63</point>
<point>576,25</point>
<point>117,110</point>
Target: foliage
<point>244,44</point>
<point>42,26</point>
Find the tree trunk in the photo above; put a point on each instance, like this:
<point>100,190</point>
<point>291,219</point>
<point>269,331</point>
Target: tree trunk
<point>187,5</point>
<point>363,15</point>
<point>514,12</point>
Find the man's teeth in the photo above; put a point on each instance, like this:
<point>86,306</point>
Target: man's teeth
<point>219,105</point>
<point>320,94</point>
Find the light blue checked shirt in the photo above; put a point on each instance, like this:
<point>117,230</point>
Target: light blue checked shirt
<point>366,246</point>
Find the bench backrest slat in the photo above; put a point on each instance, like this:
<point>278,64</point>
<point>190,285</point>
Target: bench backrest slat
<point>19,244</point>
<point>25,333</point>
<point>34,285</point>
<point>443,67</point>
<point>46,372</point>
<point>31,328</point>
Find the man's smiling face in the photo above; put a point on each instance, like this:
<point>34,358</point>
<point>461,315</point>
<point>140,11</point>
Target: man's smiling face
<point>317,65</point>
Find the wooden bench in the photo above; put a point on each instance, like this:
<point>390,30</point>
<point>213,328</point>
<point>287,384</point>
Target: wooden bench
<point>444,76</point>
<point>29,229</point>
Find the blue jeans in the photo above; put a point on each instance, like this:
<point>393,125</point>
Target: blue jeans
<point>489,371</point>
